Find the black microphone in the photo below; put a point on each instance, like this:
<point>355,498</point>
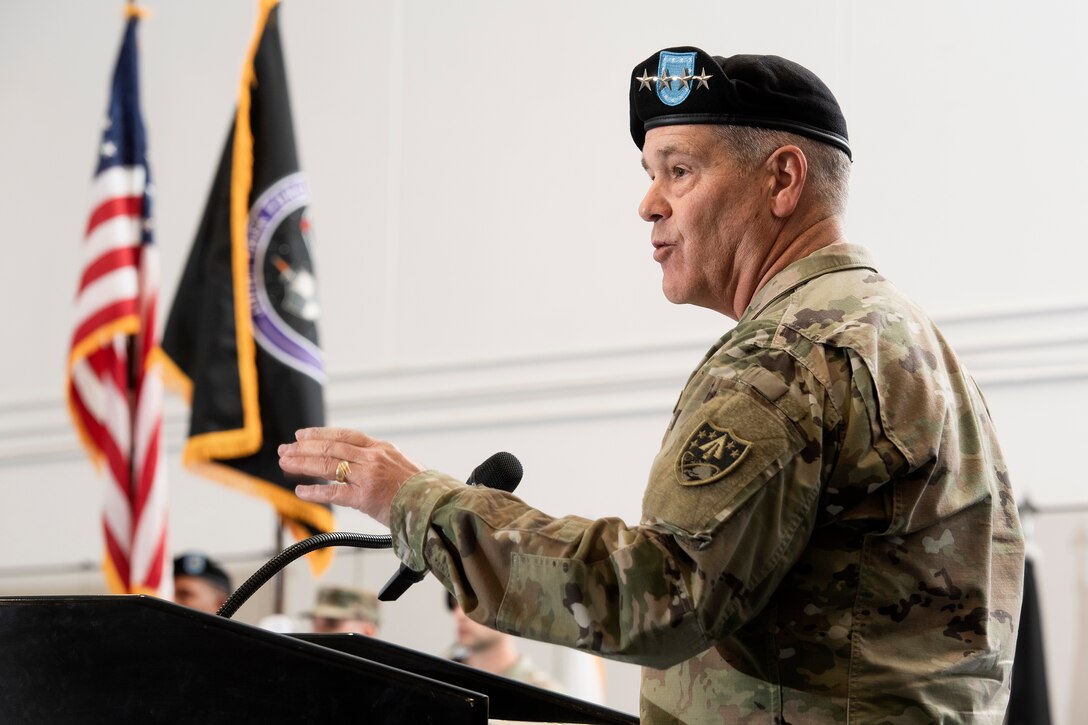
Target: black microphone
<point>502,471</point>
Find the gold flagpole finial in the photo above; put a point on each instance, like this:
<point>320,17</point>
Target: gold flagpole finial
<point>132,10</point>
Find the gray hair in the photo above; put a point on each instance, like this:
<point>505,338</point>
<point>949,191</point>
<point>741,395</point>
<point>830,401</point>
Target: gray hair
<point>828,166</point>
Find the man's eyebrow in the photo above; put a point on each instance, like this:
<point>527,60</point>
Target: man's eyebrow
<point>664,152</point>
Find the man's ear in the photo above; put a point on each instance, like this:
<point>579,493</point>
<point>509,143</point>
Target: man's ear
<point>789,170</point>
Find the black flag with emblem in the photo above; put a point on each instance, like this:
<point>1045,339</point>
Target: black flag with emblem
<point>242,331</point>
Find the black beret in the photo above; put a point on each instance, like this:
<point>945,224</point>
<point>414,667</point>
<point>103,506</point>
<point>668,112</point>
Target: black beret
<point>685,85</point>
<point>199,565</point>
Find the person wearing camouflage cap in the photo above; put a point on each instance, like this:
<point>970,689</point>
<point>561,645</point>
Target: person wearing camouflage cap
<point>828,532</point>
<point>342,610</point>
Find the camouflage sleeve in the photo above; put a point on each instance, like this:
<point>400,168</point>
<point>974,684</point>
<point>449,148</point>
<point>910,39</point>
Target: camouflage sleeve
<point>728,509</point>
<point>558,580</point>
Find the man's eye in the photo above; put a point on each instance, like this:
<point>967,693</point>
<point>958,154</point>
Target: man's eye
<point>678,171</point>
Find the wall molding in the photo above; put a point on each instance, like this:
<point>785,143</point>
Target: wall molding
<point>1016,347</point>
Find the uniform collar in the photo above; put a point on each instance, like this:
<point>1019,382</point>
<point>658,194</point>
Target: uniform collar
<point>832,258</point>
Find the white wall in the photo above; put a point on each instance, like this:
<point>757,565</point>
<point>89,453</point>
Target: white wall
<point>486,282</point>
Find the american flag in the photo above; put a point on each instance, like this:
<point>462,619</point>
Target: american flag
<point>114,380</point>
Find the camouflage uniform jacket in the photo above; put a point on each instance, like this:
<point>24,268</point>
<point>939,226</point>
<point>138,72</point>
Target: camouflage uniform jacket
<point>828,532</point>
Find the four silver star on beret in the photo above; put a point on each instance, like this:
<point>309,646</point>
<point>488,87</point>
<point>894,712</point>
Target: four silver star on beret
<point>703,80</point>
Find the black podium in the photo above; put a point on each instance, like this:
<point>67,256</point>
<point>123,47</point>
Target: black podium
<point>137,659</point>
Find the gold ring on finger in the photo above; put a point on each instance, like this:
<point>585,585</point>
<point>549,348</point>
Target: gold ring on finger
<point>342,471</point>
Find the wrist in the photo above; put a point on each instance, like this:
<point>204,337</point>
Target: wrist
<point>411,511</point>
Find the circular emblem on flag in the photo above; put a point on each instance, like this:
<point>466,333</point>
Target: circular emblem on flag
<point>709,454</point>
<point>283,291</point>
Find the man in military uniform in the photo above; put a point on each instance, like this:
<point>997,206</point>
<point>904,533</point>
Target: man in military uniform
<point>828,532</point>
<point>344,610</point>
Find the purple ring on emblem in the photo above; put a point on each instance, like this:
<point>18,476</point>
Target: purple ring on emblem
<point>272,333</point>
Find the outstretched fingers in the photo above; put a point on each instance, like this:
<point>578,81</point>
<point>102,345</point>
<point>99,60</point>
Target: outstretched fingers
<point>368,471</point>
<point>320,457</point>
<point>342,435</point>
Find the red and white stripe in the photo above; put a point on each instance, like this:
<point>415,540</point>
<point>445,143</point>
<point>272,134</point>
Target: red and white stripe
<point>118,414</point>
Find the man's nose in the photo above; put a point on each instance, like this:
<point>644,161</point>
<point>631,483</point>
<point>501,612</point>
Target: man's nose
<point>653,206</point>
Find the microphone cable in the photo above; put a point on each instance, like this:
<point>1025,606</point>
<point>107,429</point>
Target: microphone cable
<point>301,548</point>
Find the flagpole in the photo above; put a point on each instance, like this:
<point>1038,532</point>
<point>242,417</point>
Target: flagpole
<point>134,363</point>
<point>279,585</point>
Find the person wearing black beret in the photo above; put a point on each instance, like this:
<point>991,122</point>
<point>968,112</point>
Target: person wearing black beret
<point>200,582</point>
<point>828,532</point>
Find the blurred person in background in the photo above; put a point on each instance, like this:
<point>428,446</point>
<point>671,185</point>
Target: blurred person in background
<point>496,652</point>
<point>344,610</point>
<point>200,582</point>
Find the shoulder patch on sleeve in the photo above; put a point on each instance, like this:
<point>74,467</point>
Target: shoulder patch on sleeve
<point>714,459</point>
<point>709,454</point>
